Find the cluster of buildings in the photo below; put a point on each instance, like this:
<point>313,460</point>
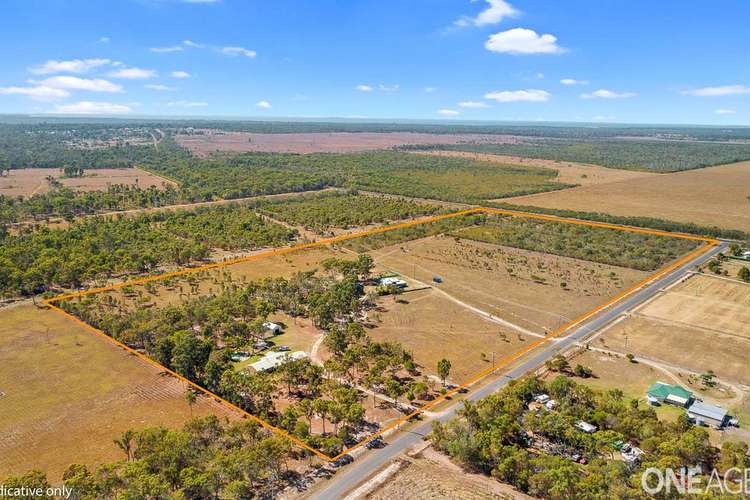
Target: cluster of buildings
<point>699,412</point>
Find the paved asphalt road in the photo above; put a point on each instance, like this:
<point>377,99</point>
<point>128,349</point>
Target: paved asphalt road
<point>352,475</point>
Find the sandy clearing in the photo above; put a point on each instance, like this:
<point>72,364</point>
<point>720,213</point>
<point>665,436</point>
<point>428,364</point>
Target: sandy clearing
<point>30,181</point>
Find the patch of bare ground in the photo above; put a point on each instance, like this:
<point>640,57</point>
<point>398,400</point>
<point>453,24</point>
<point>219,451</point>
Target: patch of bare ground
<point>211,141</point>
<point>433,475</point>
<point>714,196</point>
<point>66,394</point>
<point>30,181</point>
<point>583,174</point>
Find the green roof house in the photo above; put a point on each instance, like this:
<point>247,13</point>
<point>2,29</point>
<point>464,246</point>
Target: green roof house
<point>671,394</point>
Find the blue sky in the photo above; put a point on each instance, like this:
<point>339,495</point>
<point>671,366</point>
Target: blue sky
<point>634,61</point>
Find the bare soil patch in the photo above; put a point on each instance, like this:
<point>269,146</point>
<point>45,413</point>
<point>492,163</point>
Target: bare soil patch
<point>69,393</point>
<point>715,196</point>
<point>211,141</point>
<point>30,181</point>
<point>432,475</point>
<point>583,174</point>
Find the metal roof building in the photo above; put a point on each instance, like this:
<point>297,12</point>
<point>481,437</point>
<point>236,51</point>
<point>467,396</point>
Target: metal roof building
<point>275,359</point>
<point>672,394</point>
<point>707,414</point>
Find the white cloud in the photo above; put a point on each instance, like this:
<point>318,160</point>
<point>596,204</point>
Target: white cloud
<point>528,95</point>
<point>718,91</point>
<point>608,94</point>
<point>448,112</point>
<point>573,81</point>
<point>166,50</point>
<point>72,66</point>
<point>493,14</point>
<point>187,104</point>
<point>263,104</point>
<point>104,39</point>
<point>153,86</point>
<point>39,92</point>
<point>363,88</point>
<point>133,73</point>
<point>193,44</point>
<point>473,105</point>
<point>725,111</point>
<point>238,51</point>
<point>92,108</point>
<point>601,118</point>
<point>386,88</point>
<point>76,83</point>
<point>430,90</point>
<point>180,74</point>
<point>522,41</point>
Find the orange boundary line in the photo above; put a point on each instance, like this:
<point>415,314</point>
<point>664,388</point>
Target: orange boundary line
<point>503,362</point>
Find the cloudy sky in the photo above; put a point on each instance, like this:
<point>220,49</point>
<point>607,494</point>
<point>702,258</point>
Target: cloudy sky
<point>636,61</point>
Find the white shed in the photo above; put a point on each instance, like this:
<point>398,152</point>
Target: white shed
<point>274,328</point>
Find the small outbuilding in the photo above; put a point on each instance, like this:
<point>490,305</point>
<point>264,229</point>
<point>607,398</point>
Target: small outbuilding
<point>275,359</point>
<point>541,398</point>
<point>393,281</point>
<point>707,414</point>
<point>586,427</point>
<point>272,328</point>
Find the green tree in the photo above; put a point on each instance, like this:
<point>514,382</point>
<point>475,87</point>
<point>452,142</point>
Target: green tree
<point>443,369</point>
<point>190,398</point>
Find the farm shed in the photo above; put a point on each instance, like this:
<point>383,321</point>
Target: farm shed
<point>586,427</point>
<point>671,394</point>
<point>275,359</point>
<point>392,280</point>
<point>707,414</point>
<point>273,328</point>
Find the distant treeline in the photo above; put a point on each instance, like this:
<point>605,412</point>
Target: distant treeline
<point>553,130</point>
<point>631,154</point>
<point>56,146</point>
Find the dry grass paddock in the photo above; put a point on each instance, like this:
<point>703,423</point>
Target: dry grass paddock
<point>519,286</point>
<point>30,181</point>
<point>697,325</point>
<point>432,327</point>
<point>69,393</point>
<point>715,196</point>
